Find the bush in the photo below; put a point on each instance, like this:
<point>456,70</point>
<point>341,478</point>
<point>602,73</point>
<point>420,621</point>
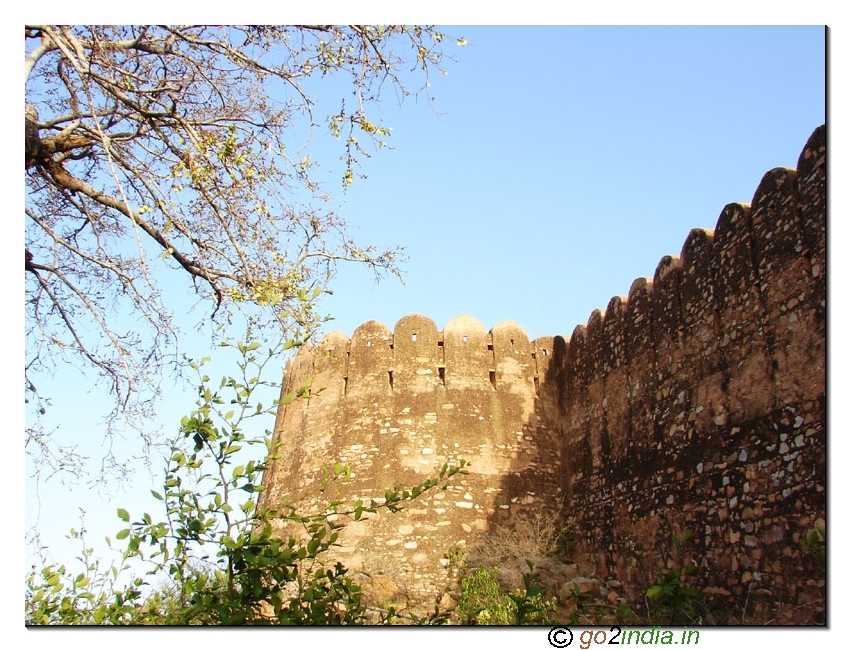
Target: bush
<point>677,600</point>
<point>214,555</point>
<point>484,602</point>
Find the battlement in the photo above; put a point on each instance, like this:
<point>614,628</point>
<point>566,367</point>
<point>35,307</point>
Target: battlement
<point>695,403</point>
<point>416,357</point>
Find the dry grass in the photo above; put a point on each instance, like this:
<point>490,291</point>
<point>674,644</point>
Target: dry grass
<point>537,536</point>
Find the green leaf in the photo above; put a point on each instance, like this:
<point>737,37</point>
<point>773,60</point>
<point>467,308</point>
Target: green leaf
<point>123,534</point>
<point>123,515</point>
<point>157,495</point>
<point>654,591</point>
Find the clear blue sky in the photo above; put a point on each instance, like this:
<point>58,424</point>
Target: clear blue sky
<point>555,166</point>
<point>569,160</point>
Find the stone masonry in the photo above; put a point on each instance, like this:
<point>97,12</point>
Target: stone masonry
<point>395,406</point>
<point>696,403</point>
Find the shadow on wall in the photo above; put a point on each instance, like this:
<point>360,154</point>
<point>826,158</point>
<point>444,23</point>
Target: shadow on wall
<point>698,404</point>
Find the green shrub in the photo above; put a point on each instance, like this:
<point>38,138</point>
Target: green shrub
<point>677,600</point>
<point>815,543</point>
<point>214,555</point>
<point>483,601</point>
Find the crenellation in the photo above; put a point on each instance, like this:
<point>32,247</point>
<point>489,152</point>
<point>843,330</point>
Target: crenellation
<point>696,403</point>
<point>666,318</point>
<point>614,325</point>
<point>734,274</point>
<point>575,387</point>
<point>743,344</point>
<point>370,359</point>
<point>576,370</point>
<point>777,235</point>
<point>468,359</point>
<point>513,364</point>
<point>666,311</point>
<point>417,355</point>
<point>785,275</point>
<point>330,363</point>
<point>700,322</point>
<point>616,401</point>
<point>542,352</point>
<point>595,382</point>
<point>811,179</point>
<point>639,318</point>
<point>596,347</point>
<point>640,353</point>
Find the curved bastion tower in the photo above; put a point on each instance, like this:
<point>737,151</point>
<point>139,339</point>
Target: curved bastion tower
<point>695,403</point>
<point>397,405</point>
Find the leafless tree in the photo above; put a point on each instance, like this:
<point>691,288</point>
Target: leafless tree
<point>162,159</point>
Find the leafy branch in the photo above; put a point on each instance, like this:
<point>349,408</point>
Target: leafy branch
<point>216,548</point>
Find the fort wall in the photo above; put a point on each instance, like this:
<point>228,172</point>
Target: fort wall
<point>395,406</point>
<point>697,402</point>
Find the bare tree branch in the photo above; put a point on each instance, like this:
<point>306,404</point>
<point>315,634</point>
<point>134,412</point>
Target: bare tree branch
<point>160,164</point>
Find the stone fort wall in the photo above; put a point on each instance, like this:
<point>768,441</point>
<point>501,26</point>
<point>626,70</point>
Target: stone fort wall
<point>695,403</point>
<point>698,402</point>
<point>395,406</point>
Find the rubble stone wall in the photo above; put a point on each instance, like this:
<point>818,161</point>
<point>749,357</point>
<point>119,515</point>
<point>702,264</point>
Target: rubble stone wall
<point>698,402</point>
<point>395,407</point>
<point>695,403</point>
